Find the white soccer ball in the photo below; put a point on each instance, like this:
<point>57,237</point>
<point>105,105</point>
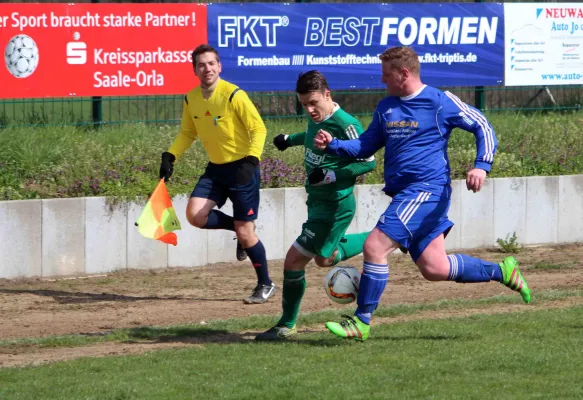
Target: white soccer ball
<point>341,284</point>
<point>21,56</point>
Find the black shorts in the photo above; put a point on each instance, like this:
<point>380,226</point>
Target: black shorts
<point>218,183</point>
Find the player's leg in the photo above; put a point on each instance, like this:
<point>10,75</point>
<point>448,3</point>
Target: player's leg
<point>207,194</point>
<point>337,246</point>
<point>431,225</point>
<point>389,235</point>
<point>374,278</point>
<point>436,265</point>
<point>294,287</point>
<point>316,238</point>
<point>349,246</point>
<point>245,199</point>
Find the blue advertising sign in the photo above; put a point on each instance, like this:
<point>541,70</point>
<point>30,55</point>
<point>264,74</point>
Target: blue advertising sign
<point>264,46</point>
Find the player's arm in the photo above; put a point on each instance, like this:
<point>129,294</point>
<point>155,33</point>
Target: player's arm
<point>320,176</point>
<point>364,146</point>
<point>282,142</point>
<point>248,114</point>
<point>351,171</point>
<point>457,114</point>
<point>356,167</point>
<point>323,176</point>
<point>186,136</point>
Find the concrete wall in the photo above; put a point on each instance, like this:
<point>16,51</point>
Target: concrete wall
<point>84,236</point>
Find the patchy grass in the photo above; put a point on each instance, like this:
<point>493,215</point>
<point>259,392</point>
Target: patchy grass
<point>503,356</point>
<point>259,322</point>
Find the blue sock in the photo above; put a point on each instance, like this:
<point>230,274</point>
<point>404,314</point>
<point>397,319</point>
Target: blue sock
<point>466,269</point>
<point>372,284</point>
<point>259,260</point>
<point>219,220</point>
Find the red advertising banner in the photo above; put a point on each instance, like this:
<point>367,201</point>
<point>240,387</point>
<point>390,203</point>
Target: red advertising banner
<point>68,50</point>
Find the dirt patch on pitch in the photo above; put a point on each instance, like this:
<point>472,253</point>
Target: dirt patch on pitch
<point>20,356</point>
<point>135,298</point>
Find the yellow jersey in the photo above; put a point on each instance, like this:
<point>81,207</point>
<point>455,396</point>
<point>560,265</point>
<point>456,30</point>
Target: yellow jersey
<point>227,123</point>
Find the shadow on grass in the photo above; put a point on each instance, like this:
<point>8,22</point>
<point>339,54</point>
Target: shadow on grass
<point>81,297</point>
<point>336,341</point>
<point>192,335</point>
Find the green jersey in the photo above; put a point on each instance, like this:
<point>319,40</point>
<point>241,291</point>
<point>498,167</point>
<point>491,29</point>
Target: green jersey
<point>342,126</point>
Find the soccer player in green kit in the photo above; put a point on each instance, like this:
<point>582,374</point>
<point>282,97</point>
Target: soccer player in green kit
<point>331,203</point>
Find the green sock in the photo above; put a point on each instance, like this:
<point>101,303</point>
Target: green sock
<point>294,286</point>
<point>350,246</point>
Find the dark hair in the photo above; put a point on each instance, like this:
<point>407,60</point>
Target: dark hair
<point>311,81</point>
<point>201,49</point>
<point>402,57</point>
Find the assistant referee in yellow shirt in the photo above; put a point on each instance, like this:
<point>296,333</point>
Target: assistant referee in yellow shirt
<point>233,134</point>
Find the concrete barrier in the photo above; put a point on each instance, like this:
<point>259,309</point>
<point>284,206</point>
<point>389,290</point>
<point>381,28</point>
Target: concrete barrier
<point>64,237</point>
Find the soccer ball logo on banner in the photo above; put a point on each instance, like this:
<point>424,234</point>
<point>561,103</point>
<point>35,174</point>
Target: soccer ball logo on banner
<point>21,56</point>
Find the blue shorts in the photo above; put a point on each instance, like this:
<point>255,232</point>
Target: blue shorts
<point>218,183</point>
<point>416,216</point>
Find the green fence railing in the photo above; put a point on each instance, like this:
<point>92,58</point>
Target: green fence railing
<point>167,109</point>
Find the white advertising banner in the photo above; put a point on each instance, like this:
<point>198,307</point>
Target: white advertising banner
<point>543,44</point>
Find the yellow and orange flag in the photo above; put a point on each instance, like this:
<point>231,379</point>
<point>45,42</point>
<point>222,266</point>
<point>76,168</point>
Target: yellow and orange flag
<point>158,219</point>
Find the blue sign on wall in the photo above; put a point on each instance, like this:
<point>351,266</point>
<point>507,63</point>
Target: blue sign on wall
<point>263,47</point>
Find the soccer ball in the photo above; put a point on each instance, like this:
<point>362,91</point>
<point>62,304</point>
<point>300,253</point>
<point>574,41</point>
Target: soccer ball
<point>342,283</point>
<point>21,56</point>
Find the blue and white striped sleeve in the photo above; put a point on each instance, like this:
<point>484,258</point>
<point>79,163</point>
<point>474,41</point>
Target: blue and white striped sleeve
<point>363,147</point>
<point>458,114</point>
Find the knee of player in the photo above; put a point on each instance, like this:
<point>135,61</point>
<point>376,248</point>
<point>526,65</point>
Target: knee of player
<point>295,260</point>
<point>374,249</point>
<point>323,261</point>
<point>245,231</point>
<point>433,271</point>
<point>197,219</point>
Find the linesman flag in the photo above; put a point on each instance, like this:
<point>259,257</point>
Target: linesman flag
<point>158,219</point>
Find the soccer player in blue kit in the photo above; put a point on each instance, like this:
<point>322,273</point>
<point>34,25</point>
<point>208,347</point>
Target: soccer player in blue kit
<point>414,123</point>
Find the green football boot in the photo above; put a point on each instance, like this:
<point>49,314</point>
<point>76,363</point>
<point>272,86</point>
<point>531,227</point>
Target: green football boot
<point>351,328</point>
<point>277,333</point>
<point>512,278</point>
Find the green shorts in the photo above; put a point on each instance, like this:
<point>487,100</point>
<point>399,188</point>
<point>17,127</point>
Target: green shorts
<point>326,225</point>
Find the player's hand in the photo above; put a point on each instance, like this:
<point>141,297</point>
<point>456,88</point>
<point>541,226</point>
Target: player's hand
<point>167,166</point>
<point>280,141</point>
<point>475,179</point>
<point>320,176</point>
<point>322,139</point>
<point>246,170</point>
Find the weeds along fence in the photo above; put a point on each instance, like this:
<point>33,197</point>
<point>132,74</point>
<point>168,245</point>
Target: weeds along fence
<point>167,109</point>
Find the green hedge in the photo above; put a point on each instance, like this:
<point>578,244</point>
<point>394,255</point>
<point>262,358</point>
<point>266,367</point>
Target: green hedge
<point>123,161</point>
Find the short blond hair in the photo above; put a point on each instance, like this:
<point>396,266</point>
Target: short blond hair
<point>402,57</point>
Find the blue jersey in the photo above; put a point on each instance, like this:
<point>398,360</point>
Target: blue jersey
<point>415,131</point>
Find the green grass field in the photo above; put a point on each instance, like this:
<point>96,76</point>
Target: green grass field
<point>432,343</point>
<point>123,160</point>
<point>529,354</point>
